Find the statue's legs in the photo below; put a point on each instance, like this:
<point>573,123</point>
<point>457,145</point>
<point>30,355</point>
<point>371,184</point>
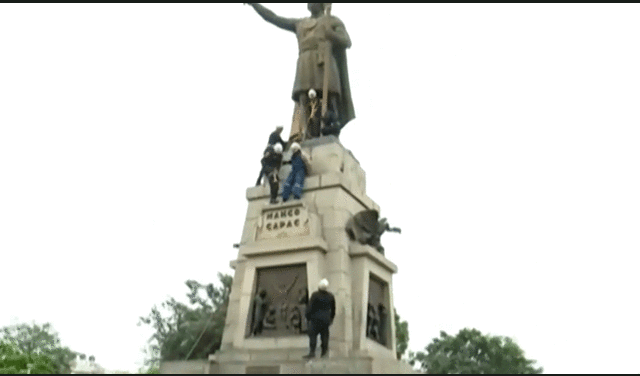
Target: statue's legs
<point>307,122</point>
<point>316,123</point>
<point>332,106</point>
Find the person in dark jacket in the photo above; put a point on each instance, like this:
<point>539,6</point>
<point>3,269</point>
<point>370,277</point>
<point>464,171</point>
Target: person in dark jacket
<point>271,166</point>
<point>320,313</point>
<point>300,163</point>
<point>274,139</point>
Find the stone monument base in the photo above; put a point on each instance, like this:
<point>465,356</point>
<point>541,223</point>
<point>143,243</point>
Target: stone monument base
<point>291,362</point>
<point>285,250</point>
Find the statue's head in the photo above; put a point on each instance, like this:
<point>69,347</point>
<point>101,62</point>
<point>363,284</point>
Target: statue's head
<point>317,8</point>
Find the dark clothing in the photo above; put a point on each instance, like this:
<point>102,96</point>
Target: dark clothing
<point>322,307</point>
<point>318,327</point>
<point>274,185</point>
<point>274,138</point>
<point>320,313</point>
<point>271,162</point>
<point>331,125</point>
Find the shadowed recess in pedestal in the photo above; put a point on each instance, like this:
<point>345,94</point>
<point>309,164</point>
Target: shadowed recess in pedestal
<point>378,311</point>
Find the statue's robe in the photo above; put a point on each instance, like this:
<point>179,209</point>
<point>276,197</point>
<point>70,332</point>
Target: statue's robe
<point>310,67</point>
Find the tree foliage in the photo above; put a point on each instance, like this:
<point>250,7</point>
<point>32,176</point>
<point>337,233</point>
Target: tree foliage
<point>189,331</point>
<point>38,346</point>
<point>402,336</point>
<point>471,352</point>
<point>14,361</point>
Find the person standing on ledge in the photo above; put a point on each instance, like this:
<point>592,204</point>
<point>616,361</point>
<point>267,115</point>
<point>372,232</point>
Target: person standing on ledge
<point>322,38</point>
<point>300,164</point>
<point>274,138</point>
<point>271,166</point>
<point>320,313</point>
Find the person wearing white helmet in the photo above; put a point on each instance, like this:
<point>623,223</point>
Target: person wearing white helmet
<point>300,163</point>
<point>320,313</point>
<point>274,139</point>
<point>270,167</point>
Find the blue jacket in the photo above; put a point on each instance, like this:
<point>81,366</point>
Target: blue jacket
<point>297,163</point>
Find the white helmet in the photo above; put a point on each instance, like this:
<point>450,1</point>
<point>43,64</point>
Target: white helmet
<point>312,94</point>
<point>295,146</point>
<point>277,148</point>
<point>323,284</point>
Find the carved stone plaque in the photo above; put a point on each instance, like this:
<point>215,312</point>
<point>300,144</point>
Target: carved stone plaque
<point>378,311</point>
<point>281,312</point>
<point>283,222</point>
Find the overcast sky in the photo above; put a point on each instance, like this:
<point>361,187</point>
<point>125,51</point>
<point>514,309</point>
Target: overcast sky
<point>502,139</point>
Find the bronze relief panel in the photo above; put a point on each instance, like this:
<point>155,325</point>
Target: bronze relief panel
<point>279,302</point>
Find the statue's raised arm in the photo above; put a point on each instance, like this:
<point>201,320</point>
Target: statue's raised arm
<point>281,22</point>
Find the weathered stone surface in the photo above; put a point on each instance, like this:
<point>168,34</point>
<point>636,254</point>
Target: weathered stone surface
<point>355,174</point>
<point>249,231</point>
<point>327,158</point>
<point>337,261</point>
<point>183,366</point>
<point>339,366</point>
<point>359,250</point>
<point>257,370</point>
<point>312,182</point>
<point>271,355</point>
<point>335,219</point>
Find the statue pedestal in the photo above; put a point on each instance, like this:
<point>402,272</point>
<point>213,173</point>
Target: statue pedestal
<point>289,247</point>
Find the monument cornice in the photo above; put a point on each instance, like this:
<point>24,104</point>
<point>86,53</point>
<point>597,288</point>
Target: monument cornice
<point>359,250</point>
<point>278,246</point>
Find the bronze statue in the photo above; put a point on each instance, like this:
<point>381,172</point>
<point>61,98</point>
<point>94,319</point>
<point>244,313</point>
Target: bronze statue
<point>322,66</point>
<point>365,228</point>
<point>278,309</point>
<point>260,305</point>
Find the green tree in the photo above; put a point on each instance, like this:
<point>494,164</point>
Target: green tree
<point>402,336</point>
<point>471,352</point>
<point>14,361</point>
<point>34,340</point>
<point>153,370</point>
<point>189,331</point>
